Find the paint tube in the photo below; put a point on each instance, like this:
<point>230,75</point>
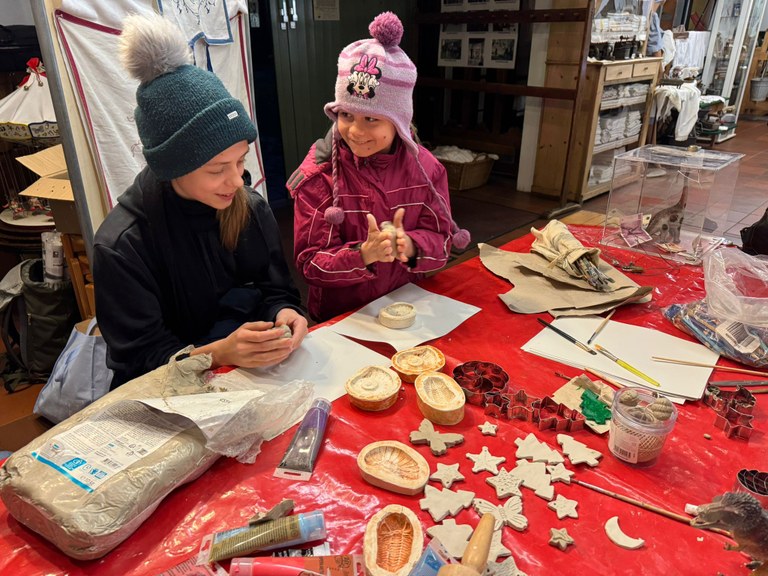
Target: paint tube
<point>299,459</point>
<point>341,565</point>
<point>279,533</point>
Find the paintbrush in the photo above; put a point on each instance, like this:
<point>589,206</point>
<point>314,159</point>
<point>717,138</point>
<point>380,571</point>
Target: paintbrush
<point>567,337</point>
<point>601,326</point>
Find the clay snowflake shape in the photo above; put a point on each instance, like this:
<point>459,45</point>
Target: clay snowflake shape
<point>484,461</point>
<point>564,507</point>
<point>505,483</point>
<point>506,568</point>
<point>497,549</point>
<point>488,429</point>
<point>559,473</point>
<point>454,537</point>
<point>447,474</point>
<point>560,538</point>
<point>439,442</point>
<point>442,503</point>
<point>536,451</point>
<point>577,452</point>
<point>508,514</point>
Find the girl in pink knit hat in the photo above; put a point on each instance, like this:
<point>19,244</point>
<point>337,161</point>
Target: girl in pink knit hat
<point>366,171</point>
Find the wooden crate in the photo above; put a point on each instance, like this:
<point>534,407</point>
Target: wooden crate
<point>465,175</point>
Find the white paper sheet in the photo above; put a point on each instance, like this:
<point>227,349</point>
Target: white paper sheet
<point>436,316</point>
<point>326,359</point>
<point>632,344</point>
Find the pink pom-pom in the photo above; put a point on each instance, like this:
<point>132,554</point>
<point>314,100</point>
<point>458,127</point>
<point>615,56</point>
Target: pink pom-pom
<point>334,215</point>
<point>461,239</point>
<point>387,29</point>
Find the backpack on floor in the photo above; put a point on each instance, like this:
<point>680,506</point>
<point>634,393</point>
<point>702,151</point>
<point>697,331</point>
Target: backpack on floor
<point>754,239</point>
<point>35,324</point>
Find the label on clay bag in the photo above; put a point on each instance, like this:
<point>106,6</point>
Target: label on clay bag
<point>737,335</point>
<point>91,453</point>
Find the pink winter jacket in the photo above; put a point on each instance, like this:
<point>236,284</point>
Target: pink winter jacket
<point>328,256</point>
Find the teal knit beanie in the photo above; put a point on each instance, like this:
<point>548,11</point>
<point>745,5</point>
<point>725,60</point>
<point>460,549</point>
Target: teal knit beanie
<point>185,116</point>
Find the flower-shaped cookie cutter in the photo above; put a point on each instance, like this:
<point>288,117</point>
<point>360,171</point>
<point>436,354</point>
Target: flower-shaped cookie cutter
<point>548,413</point>
<point>477,378</point>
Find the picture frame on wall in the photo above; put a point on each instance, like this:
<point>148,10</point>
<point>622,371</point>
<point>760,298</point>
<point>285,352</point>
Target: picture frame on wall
<point>452,51</point>
<point>501,52</point>
<point>476,51</point>
<point>451,5</point>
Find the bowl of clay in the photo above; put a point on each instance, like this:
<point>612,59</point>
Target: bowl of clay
<point>373,388</point>
<point>398,315</point>
<point>414,361</point>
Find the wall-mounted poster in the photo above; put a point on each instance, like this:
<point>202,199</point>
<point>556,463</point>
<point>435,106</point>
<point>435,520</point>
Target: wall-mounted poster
<point>478,44</point>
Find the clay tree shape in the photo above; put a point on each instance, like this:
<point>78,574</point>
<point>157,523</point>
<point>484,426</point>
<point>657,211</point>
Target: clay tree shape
<point>454,537</point>
<point>577,452</point>
<point>618,537</point>
<point>440,399</point>
<point>442,503</point>
<point>414,361</point>
<point>393,466</point>
<point>373,388</point>
<point>397,315</point>
<point>439,442</point>
<point>393,542</point>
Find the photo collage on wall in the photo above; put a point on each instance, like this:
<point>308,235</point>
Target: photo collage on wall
<point>477,44</point>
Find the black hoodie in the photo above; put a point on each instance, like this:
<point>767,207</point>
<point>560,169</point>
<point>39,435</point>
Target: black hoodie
<point>164,281</point>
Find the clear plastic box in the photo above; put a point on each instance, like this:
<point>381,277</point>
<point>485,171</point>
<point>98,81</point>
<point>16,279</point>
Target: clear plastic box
<point>671,201</point>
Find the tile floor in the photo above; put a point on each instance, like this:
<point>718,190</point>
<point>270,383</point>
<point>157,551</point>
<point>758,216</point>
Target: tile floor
<point>749,203</point>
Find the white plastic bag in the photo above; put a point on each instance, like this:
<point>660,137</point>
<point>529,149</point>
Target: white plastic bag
<point>737,286</point>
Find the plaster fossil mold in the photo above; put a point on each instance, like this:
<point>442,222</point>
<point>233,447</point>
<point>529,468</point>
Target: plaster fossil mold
<point>398,315</point>
<point>414,361</point>
<point>373,388</point>
<point>439,398</point>
<point>393,542</point>
<point>393,466</point>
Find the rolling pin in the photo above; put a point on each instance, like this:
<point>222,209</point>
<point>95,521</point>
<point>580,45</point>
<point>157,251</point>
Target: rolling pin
<point>476,555</point>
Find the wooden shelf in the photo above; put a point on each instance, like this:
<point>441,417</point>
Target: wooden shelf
<point>612,145</point>
<point>620,102</point>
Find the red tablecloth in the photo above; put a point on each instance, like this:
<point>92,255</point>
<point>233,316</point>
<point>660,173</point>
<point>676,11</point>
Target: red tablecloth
<point>690,469</point>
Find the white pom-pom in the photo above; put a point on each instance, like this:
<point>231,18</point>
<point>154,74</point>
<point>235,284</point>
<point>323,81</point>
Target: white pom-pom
<point>151,46</point>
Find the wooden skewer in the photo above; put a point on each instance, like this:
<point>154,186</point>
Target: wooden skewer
<point>646,506</point>
<point>715,366</point>
<point>604,377</point>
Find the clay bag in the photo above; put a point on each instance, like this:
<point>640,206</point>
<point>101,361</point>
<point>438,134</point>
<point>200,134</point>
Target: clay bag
<point>86,524</point>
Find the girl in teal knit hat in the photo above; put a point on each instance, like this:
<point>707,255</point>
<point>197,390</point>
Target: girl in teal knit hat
<point>189,256</point>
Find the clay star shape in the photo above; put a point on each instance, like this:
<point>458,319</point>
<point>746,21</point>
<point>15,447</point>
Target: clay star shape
<point>454,537</point>
<point>447,474</point>
<point>484,461</point>
<point>488,429</point>
<point>506,568</point>
<point>564,507</point>
<point>560,538</point>
<point>560,473</point>
<point>505,483</point>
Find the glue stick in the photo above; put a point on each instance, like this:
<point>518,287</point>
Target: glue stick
<point>279,533</point>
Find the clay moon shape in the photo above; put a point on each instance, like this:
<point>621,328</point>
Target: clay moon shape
<point>619,538</point>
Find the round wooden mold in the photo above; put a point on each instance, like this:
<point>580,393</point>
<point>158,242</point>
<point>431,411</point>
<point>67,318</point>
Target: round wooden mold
<point>393,466</point>
<point>373,388</point>
<point>398,315</point>
<point>440,398</point>
<point>393,542</point>
<point>413,361</point>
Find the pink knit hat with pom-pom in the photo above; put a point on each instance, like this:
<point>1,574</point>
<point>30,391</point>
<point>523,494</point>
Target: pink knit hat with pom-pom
<point>375,77</point>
